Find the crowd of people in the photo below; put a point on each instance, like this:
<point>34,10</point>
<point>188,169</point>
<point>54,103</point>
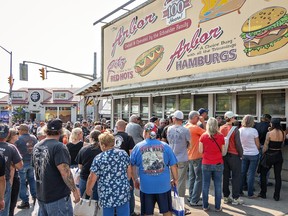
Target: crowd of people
<point>154,158</point>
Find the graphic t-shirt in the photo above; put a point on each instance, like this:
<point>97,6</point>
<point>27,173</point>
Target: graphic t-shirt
<point>153,158</point>
<point>11,155</point>
<point>179,137</point>
<point>47,155</point>
<point>113,184</point>
<point>124,141</point>
<point>85,157</point>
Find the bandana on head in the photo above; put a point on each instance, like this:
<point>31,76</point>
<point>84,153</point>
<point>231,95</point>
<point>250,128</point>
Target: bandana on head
<point>151,129</point>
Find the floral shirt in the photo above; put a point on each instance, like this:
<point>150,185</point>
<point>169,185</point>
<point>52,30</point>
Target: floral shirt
<point>113,184</point>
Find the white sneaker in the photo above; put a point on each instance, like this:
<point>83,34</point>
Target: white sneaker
<point>228,200</point>
<point>237,201</point>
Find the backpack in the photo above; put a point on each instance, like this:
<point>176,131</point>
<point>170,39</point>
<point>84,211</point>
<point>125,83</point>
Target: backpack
<point>227,138</point>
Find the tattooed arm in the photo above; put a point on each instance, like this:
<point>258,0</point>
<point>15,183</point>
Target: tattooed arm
<point>67,177</point>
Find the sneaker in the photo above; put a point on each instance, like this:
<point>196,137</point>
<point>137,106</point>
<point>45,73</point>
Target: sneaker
<point>237,201</point>
<point>228,200</point>
<point>24,205</point>
<point>218,210</point>
<point>199,203</point>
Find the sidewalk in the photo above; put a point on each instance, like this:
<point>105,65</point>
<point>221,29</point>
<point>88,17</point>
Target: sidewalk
<point>251,207</point>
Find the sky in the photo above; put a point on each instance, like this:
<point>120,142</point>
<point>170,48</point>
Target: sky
<point>58,33</point>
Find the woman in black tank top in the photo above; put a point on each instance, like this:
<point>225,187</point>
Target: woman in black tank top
<point>272,148</point>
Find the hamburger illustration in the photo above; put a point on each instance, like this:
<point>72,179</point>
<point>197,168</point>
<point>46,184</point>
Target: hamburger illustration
<point>265,31</point>
<point>148,60</point>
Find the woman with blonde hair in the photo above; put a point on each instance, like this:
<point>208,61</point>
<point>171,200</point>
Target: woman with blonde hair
<point>211,145</point>
<point>75,144</point>
<point>250,142</point>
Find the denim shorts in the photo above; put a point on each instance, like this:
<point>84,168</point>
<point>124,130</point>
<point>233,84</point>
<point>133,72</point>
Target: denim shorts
<point>148,201</point>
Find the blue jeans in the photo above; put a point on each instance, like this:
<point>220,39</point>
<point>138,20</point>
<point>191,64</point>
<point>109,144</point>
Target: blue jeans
<point>59,207</point>
<point>7,198</point>
<point>120,210</point>
<point>207,172</point>
<point>249,166</point>
<point>195,180</point>
<point>82,187</point>
<point>27,172</point>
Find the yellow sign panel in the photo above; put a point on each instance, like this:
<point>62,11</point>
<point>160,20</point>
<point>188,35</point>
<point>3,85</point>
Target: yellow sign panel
<point>173,38</point>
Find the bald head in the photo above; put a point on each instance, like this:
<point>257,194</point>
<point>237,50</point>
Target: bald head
<point>121,125</point>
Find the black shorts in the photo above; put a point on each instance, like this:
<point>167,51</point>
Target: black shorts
<point>148,201</point>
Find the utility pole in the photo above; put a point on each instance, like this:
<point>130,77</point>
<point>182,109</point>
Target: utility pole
<point>11,82</point>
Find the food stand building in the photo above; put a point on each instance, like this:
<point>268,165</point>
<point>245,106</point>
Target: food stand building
<point>167,55</point>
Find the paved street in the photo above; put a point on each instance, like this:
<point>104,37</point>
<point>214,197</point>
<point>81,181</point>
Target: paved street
<point>252,207</point>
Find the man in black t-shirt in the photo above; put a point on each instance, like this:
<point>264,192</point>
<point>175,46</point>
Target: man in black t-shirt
<point>12,156</point>
<point>85,129</point>
<point>125,142</point>
<point>54,180</point>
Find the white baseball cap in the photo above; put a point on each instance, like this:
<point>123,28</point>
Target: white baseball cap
<point>230,114</point>
<point>178,114</point>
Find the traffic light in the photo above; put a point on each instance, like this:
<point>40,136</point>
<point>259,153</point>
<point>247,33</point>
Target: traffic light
<point>42,73</point>
<point>10,80</point>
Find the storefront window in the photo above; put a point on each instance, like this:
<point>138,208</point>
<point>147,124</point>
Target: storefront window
<point>223,104</point>
<point>135,106</point>
<point>185,104</point>
<point>125,109</point>
<point>200,101</point>
<point>65,114</point>
<point>170,105</point>
<point>157,107</point>
<point>144,110</point>
<point>273,104</point>
<point>50,113</point>
<point>117,106</point>
<point>246,104</point>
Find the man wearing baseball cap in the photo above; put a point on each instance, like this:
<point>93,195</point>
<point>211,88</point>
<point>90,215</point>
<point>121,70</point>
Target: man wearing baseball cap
<point>203,117</point>
<point>232,160</point>
<point>155,161</point>
<point>12,157</point>
<point>179,140</point>
<point>54,180</point>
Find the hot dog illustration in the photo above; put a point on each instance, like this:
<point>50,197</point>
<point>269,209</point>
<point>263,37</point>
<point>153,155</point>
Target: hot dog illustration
<point>148,60</point>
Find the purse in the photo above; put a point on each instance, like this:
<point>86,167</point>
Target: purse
<point>87,207</point>
<point>177,204</point>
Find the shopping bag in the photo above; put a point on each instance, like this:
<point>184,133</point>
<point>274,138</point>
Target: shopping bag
<point>177,204</point>
<point>87,207</point>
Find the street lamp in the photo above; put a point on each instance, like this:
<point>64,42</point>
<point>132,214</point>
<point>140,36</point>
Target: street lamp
<point>10,87</point>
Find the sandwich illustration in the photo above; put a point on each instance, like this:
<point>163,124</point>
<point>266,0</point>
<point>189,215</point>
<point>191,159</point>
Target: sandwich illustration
<point>265,31</point>
<point>148,60</point>
<point>216,8</point>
